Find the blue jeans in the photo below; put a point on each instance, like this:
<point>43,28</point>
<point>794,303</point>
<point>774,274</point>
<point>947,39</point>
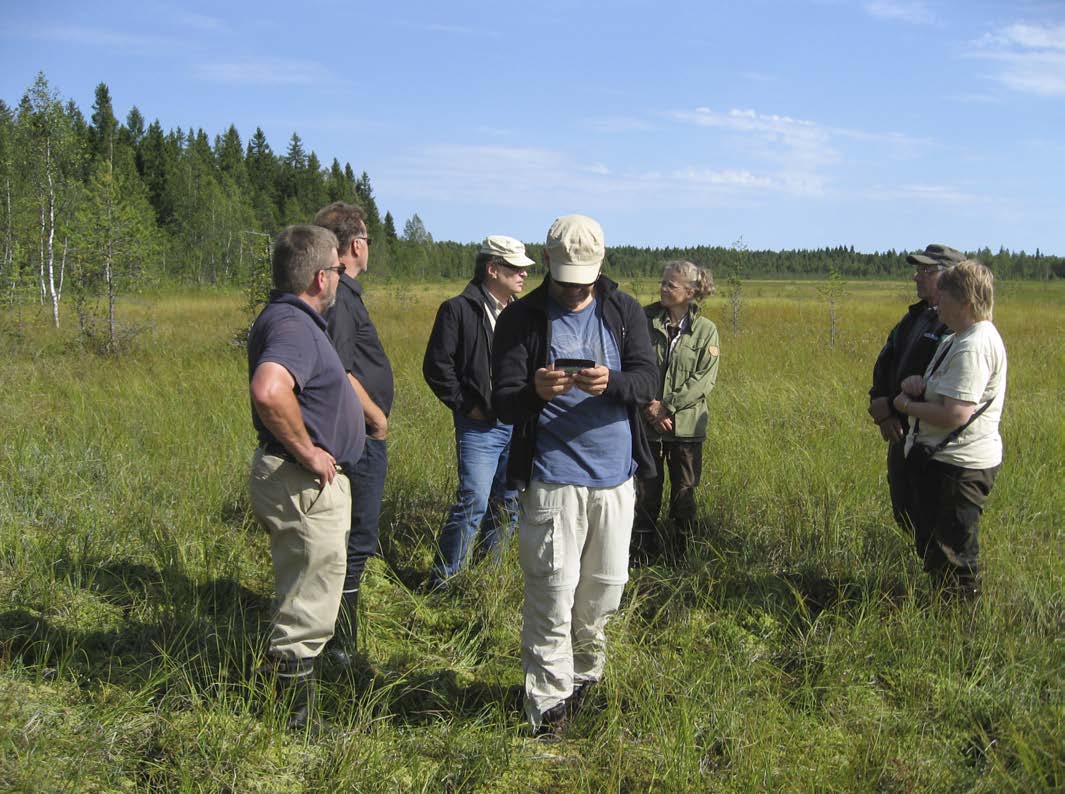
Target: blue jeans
<point>482,501</point>
<point>367,487</point>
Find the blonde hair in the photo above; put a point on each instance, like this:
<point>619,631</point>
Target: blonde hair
<point>700,280</point>
<point>971,283</point>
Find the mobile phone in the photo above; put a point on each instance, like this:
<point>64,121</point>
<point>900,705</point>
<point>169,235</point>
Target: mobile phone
<point>572,366</point>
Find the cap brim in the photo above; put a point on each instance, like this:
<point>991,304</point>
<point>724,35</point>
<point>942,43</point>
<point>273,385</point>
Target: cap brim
<point>517,260</point>
<point>922,259</point>
<point>575,274</point>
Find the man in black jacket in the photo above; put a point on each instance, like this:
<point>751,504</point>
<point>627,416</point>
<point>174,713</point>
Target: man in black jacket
<point>370,374</point>
<point>458,368</point>
<point>572,363</point>
<point>908,351</point>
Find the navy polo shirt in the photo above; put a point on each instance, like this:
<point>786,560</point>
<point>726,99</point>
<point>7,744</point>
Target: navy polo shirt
<point>290,333</point>
<point>358,345</point>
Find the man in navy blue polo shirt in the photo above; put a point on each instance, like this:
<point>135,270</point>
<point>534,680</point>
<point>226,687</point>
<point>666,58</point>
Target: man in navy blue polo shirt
<point>308,418</point>
<point>370,373</point>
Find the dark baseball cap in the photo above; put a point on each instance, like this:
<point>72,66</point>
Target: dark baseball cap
<point>937,255</point>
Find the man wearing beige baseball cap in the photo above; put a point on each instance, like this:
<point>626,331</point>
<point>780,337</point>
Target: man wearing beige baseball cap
<point>457,367</point>
<point>572,364</point>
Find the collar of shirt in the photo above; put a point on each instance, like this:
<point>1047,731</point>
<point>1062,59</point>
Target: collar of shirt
<point>276,296</point>
<point>492,305</point>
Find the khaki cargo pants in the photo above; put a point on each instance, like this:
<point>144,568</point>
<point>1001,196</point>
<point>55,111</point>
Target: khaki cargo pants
<point>308,527</point>
<point>573,542</point>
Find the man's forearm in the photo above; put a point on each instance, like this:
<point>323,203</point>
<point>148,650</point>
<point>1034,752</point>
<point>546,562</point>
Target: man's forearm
<point>280,412</point>
<point>375,417</point>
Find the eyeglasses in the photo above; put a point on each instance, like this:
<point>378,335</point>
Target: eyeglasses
<point>340,269</point>
<point>571,285</point>
<point>670,285</point>
<point>928,271</point>
<point>510,267</point>
<point>365,237</point>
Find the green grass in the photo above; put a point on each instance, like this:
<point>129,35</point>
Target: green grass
<point>798,649</point>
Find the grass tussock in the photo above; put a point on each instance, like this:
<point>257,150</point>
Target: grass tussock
<point>796,648</point>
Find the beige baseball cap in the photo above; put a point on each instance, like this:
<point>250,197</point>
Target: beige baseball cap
<point>575,249</point>
<point>506,248</point>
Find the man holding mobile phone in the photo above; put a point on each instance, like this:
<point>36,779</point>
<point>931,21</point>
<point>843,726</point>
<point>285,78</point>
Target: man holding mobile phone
<point>578,440</point>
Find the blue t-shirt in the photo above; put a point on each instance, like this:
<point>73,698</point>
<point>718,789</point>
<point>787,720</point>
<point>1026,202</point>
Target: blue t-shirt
<point>581,439</point>
<point>290,333</point>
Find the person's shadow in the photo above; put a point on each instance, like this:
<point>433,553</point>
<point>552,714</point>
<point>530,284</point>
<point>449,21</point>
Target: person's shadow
<point>151,621</point>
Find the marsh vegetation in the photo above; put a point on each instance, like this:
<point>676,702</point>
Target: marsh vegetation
<point>798,648</point>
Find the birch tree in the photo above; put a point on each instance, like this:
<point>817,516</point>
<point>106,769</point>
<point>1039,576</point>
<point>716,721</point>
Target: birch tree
<point>51,157</point>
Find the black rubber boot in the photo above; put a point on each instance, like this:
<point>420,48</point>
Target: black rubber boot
<point>343,649</point>
<point>295,683</point>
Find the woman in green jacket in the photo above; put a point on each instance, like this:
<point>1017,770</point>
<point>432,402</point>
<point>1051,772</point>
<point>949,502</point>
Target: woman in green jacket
<point>686,345</point>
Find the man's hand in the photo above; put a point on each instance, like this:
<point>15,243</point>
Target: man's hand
<point>891,429</point>
<point>477,414</point>
<point>320,463</point>
<point>880,409</point>
<point>914,386</point>
<point>651,411</point>
<point>376,421</point>
<point>593,380</point>
<point>664,423</point>
<point>549,383</point>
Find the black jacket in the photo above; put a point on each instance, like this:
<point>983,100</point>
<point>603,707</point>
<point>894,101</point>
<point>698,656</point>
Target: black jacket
<point>358,345</point>
<point>908,350</point>
<point>458,359</point>
<point>522,344</point>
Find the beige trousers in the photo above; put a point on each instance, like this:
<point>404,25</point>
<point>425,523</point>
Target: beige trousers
<point>573,543</point>
<point>308,527</point>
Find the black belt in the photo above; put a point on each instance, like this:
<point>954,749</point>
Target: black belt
<point>279,451</point>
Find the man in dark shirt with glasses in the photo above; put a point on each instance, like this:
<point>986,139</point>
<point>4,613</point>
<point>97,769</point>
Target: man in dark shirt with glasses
<point>370,374</point>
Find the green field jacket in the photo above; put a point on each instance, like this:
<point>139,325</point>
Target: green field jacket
<point>691,374</point>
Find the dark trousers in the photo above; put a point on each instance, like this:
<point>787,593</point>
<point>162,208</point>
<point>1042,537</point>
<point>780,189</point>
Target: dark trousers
<point>899,485</point>
<point>947,505</point>
<point>367,488</point>
<point>684,461</point>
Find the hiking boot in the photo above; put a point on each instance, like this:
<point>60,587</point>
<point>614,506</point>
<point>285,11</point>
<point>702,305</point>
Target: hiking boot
<point>295,683</point>
<point>343,649</point>
<point>576,701</point>
<point>553,723</point>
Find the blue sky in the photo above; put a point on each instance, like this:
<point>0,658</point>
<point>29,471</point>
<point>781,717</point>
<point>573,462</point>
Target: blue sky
<point>874,123</point>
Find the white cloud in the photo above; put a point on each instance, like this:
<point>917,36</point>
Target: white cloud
<point>912,11</point>
<point>530,177</point>
<point>1049,37</point>
<point>919,192</point>
<point>726,178</point>
<point>1031,57</point>
<point>256,70</point>
<point>127,42</point>
<point>797,150</point>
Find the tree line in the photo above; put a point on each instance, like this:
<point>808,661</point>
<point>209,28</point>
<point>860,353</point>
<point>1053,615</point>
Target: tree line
<point>97,207</point>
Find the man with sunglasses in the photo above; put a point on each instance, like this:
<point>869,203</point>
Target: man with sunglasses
<point>308,419</point>
<point>908,351</point>
<point>572,366</point>
<point>457,366</point>
<point>370,374</point>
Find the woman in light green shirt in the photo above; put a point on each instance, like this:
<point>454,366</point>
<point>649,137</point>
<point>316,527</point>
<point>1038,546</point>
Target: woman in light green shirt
<point>687,347</point>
